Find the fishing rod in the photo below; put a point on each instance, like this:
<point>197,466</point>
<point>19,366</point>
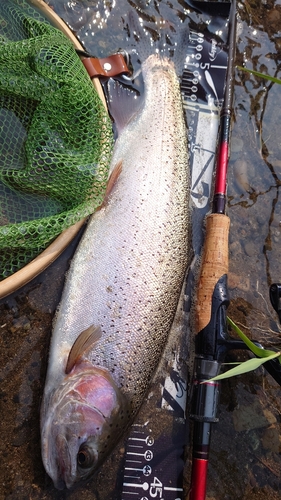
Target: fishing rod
<point>212,341</point>
<point>212,297</point>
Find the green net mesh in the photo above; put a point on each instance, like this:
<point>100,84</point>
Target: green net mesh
<point>55,136</point>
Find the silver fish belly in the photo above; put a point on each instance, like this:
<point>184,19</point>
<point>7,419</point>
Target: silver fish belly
<point>125,279</point>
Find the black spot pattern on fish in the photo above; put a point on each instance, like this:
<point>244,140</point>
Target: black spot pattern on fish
<point>127,274</point>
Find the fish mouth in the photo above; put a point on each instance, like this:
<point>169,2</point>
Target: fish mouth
<point>66,476</point>
<point>60,453</point>
<point>59,484</point>
<point>56,467</point>
<point>68,473</point>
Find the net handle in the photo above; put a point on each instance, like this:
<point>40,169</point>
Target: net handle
<point>41,262</point>
<point>50,254</point>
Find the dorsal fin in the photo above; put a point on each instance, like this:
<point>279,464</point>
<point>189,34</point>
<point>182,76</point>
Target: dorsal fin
<point>113,178</point>
<point>82,344</point>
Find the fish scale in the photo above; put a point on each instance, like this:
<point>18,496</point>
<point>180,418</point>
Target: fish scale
<point>127,273</point>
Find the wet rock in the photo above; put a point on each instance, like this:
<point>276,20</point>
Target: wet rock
<point>240,172</point>
<point>270,417</point>
<point>275,162</point>
<point>262,218</point>
<point>22,322</point>
<point>254,440</point>
<point>278,47</point>
<point>235,248</point>
<point>276,235</point>
<point>3,395</point>
<point>276,222</point>
<point>239,282</point>
<point>273,19</point>
<point>236,145</point>
<point>10,305</point>
<point>270,439</point>
<point>250,248</point>
<point>247,417</point>
<point>102,44</point>
<point>33,370</point>
<point>21,437</point>
<point>16,398</point>
<point>25,398</point>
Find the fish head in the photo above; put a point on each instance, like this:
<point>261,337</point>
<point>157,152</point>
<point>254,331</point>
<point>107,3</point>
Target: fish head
<point>81,423</point>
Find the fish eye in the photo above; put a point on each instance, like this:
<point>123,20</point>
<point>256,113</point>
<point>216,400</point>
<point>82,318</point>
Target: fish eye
<point>86,457</point>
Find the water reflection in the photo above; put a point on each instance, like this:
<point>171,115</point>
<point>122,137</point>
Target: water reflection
<point>245,459</point>
<point>257,172</point>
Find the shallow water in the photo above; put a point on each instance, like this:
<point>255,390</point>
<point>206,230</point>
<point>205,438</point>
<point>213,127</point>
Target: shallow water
<point>245,461</point>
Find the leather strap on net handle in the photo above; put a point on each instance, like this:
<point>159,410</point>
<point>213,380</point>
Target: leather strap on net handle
<point>56,21</point>
<point>214,265</point>
<point>110,66</point>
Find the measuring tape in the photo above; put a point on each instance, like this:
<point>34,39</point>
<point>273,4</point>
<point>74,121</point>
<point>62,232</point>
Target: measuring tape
<point>154,458</point>
<point>151,464</point>
<point>202,89</point>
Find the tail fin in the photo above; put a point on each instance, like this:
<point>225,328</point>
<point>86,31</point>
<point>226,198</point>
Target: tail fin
<point>151,34</point>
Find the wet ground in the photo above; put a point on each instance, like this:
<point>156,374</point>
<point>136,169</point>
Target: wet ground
<point>245,461</point>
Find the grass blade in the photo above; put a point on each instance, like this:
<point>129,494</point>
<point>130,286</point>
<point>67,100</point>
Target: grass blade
<point>247,366</point>
<point>258,351</point>
<point>261,75</point>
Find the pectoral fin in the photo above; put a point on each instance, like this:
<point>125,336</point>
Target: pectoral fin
<point>84,342</point>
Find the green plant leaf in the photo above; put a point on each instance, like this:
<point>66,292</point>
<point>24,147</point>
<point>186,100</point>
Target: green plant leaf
<point>261,75</point>
<point>245,367</point>
<point>232,363</point>
<point>258,351</point>
<point>264,355</point>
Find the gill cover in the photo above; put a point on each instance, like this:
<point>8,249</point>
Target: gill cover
<point>80,422</point>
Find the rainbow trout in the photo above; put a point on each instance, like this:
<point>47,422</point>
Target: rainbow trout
<point>123,286</point>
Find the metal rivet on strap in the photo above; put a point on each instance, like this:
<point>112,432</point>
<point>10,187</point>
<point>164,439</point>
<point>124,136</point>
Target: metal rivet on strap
<point>107,66</point>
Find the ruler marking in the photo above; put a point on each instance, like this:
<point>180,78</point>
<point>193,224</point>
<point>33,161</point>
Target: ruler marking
<point>218,67</point>
<point>133,468</point>
<point>169,488</point>
<point>136,454</point>
<point>143,486</point>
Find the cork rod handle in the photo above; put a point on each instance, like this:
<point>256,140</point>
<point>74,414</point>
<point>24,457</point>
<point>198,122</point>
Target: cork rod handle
<point>214,265</point>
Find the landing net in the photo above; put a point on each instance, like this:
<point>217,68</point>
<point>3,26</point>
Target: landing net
<point>55,136</point>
